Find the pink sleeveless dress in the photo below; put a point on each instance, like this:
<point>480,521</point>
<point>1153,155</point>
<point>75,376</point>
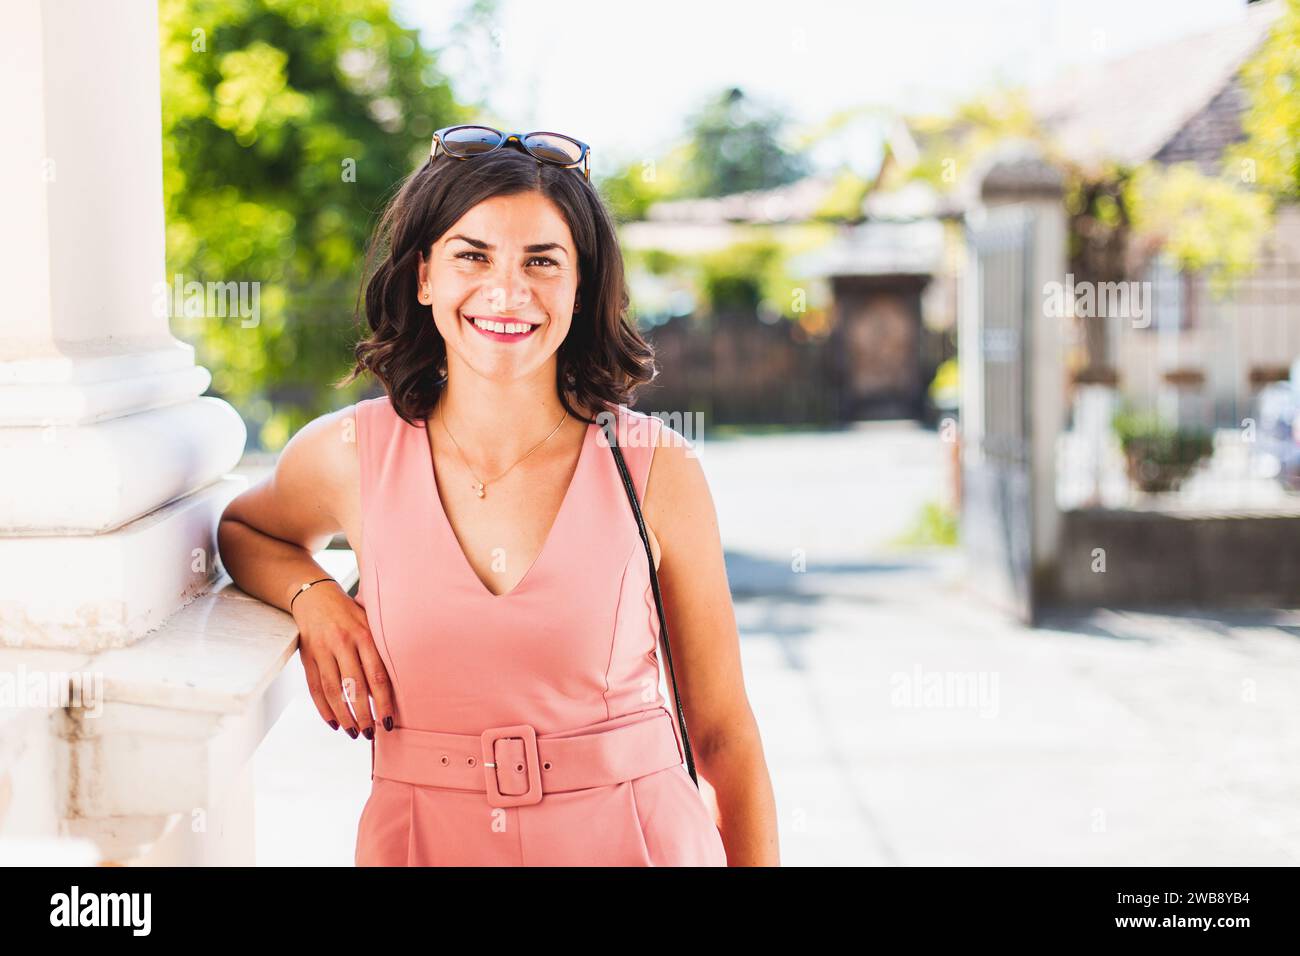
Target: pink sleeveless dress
<point>530,728</point>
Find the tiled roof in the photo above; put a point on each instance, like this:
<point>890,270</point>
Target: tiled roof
<point>1130,109</point>
<point>795,202</point>
<point>877,248</point>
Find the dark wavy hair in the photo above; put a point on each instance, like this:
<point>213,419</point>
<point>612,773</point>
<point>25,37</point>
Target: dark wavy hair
<point>601,362</point>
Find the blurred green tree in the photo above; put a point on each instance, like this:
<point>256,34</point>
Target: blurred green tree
<point>285,126</point>
<point>735,145</point>
<point>637,183</point>
<point>1270,154</point>
<point>730,145</point>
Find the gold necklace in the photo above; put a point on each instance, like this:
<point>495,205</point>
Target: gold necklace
<point>480,486</point>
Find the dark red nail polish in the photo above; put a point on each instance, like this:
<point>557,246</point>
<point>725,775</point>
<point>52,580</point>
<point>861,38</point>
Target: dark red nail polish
<point>369,732</point>
<point>334,724</point>
<point>352,732</point>
<point>388,723</point>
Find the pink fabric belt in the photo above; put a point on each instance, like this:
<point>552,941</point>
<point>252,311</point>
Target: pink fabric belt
<point>514,766</point>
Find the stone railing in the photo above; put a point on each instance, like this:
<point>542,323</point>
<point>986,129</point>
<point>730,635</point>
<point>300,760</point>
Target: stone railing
<point>146,757</point>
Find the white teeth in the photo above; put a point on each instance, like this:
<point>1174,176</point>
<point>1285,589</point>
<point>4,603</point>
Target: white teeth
<point>512,328</point>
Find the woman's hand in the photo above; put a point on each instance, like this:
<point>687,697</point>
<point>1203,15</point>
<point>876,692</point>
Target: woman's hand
<point>341,661</point>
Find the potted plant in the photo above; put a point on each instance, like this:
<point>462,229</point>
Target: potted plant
<point>1157,456</point>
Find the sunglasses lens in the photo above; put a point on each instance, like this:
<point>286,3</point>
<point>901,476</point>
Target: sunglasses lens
<point>553,147</point>
<point>470,140</point>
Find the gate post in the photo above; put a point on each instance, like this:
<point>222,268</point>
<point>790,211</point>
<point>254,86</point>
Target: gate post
<point>1016,183</point>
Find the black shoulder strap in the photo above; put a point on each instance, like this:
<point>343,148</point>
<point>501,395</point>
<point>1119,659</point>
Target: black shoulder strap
<point>654,584</point>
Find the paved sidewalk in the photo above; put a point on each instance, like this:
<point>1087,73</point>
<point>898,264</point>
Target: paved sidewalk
<point>906,724</point>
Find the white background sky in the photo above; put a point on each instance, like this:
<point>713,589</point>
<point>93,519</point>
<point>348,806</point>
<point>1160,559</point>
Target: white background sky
<point>623,76</point>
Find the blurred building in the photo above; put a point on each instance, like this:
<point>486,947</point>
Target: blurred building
<point>1197,356</point>
<point>1066,500</point>
<point>880,277</point>
<point>734,363</point>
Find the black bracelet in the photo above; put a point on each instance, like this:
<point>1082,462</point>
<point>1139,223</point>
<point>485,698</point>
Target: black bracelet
<point>304,588</point>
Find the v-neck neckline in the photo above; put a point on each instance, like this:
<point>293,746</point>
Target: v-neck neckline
<point>445,521</point>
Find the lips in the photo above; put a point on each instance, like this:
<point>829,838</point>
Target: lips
<point>503,319</point>
<point>503,336</point>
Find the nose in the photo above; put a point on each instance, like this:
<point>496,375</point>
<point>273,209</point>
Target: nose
<point>508,289</point>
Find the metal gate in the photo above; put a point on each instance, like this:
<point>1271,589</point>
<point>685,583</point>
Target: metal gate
<point>997,478</point>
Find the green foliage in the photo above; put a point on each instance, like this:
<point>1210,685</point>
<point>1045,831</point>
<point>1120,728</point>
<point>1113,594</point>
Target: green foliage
<point>1202,223</point>
<point>1209,224</point>
<point>752,274</point>
<point>634,187</point>
<point>951,143</point>
<point>843,203</point>
<point>658,262</point>
<point>943,388</point>
<point>1205,223</point>
<point>1165,441</point>
<point>935,526</point>
<point>1159,456</point>
<point>731,278</point>
<point>285,124</point>
<point>747,275</point>
<point>731,145</point>
<point>735,147</point>
<point>1270,155</point>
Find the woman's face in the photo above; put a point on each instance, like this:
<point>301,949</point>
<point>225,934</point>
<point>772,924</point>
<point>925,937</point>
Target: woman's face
<point>511,261</point>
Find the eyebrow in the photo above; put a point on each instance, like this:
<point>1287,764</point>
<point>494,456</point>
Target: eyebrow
<point>537,247</point>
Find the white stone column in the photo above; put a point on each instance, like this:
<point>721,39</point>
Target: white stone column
<point>111,481</point>
<point>113,475</point>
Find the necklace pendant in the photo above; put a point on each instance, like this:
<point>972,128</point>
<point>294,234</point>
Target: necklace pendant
<point>478,488</point>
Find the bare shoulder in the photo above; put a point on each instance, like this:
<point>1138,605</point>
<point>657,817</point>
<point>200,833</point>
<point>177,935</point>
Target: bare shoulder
<point>677,493</point>
<point>324,450</point>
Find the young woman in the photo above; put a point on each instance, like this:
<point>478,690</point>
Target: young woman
<point>502,653</point>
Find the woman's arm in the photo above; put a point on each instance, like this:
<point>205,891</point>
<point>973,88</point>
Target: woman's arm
<point>268,533</point>
<point>267,536</point>
<point>706,653</point>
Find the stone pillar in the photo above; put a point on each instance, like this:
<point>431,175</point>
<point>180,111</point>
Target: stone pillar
<point>1025,178</point>
<point>113,480</point>
<point>110,489</point>
<point>1019,183</point>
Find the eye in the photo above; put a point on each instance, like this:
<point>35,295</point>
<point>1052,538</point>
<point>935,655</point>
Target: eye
<point>545,260</point>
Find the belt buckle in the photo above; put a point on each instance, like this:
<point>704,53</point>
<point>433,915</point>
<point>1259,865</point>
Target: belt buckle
<point>532,769</point>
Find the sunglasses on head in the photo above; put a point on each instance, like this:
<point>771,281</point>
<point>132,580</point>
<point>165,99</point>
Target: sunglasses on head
<point>466,142</point>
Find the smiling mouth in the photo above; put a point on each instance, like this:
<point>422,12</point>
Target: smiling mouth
<point>502,329</point>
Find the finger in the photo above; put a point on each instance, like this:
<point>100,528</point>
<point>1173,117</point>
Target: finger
<point>381,691</point>
<point>313,687</point>
<point>331,685</point>
<point>356,690</point>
